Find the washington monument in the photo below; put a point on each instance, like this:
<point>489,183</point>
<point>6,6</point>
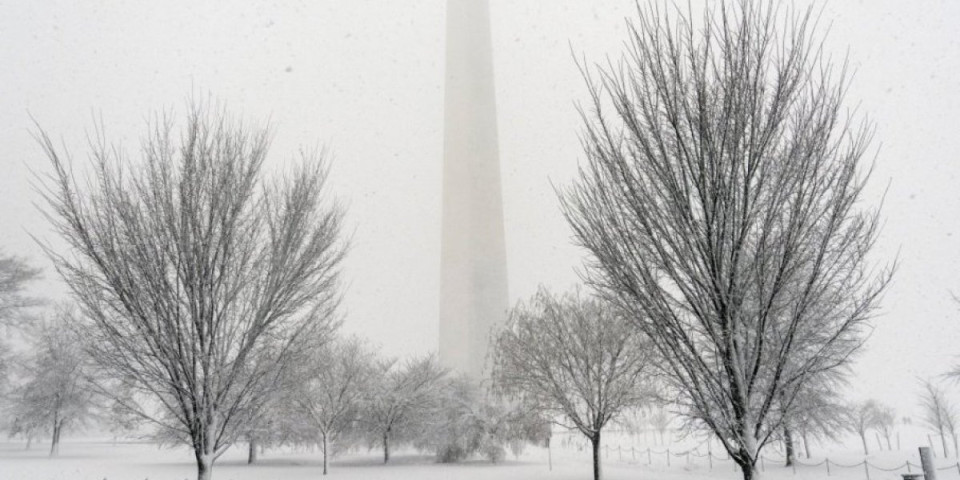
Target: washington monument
<point>473,264</point>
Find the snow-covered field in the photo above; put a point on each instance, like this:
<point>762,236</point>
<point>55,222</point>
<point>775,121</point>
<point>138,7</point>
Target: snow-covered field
<point>98,460</point>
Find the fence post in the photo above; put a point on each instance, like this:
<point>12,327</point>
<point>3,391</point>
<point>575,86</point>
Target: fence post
<point>549,455</point>
<point>926,462</point>
<point>908,467</point>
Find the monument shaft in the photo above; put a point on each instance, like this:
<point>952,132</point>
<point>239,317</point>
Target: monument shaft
<point>473,279</point>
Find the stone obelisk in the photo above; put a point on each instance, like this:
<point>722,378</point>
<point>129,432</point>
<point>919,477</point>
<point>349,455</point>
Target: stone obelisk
<point>473,278</point>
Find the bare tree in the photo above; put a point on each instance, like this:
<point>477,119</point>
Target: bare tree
<point>885,421</point>
<point>660,421</point>
<point>818,413</point>
<point>952,424</point>
<point>721,200</point>
<point>54,393</point>
<point>15,274</point>
<point>333,383</point>
<point>267,427</point>
<point>197,274</point>
<point>815,409</point>
<point>472,419</point>
<point>861,418</point>
<point>938,413</point>
<point>575,358</point>
<point>400,395</point>
<point>117,415</point>
<point>632,420</point>
<point>274,421</point>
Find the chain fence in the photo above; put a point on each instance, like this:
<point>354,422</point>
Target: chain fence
<point>691,457</point>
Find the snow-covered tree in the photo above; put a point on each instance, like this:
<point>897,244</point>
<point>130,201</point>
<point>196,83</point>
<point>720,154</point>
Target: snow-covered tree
<point>267,428</point>
<point>862,417</point>
<point>120,419</point>
<point>276,422</point>
<point>721,200</point>
<point>22,422</point>
<point>329,399</point>
<point>633,420</point>
<point>197,274</point>
<point>471,420</point>
<point>814,408</point>
<point>660,421</point>
<point>885,420</point>
<point>399,396</point>
<point>939,413</point>
<point>15,274</point>
<point>818,413</point>
<point>573,357</point>
<point>53,394</point>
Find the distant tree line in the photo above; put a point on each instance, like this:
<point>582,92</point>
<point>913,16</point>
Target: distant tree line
<point>205,312</point>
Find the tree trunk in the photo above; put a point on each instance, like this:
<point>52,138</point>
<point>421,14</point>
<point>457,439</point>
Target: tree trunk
<point>889,446</point>
<point>549,455</point>
<point>788,446</point>
<point>943,440</point>
<point>748,467</point>
<point>29,441</point>
<point>252,451</point>
<point>324,453</point>
<point>595,442</point>
<point>386,447</point>
<point>749,472</point>
<point>747,457</point>
<point>806,444</point>
<point>863,438</point>
<point>55,441</point>
<point>204,466</point>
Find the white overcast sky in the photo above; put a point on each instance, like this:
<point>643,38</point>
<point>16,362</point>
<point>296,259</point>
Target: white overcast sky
<point>365,79</point>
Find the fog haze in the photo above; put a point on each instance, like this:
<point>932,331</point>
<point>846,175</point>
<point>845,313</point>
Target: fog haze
<point>365,79</point>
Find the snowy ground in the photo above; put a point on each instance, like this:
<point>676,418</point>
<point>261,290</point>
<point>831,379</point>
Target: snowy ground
<point>99,460</point>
